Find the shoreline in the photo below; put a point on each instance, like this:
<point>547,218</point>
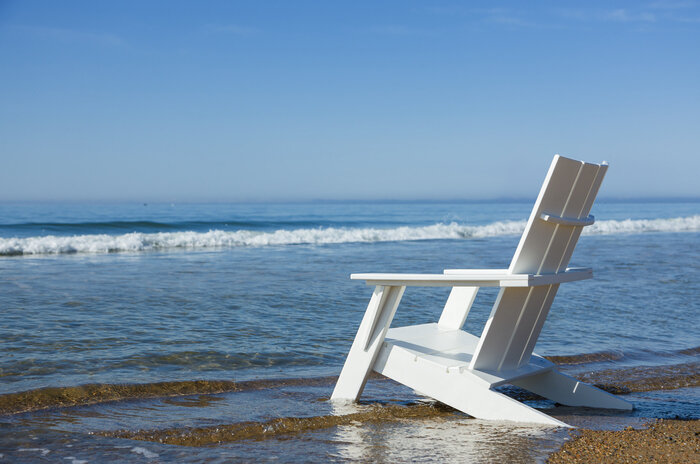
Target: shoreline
<point>659,440</point>
<point>619,381</point>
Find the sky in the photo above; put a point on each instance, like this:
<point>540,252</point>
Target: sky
<point>294,100</point>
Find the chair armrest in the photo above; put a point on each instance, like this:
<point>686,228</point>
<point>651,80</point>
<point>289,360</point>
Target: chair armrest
<point>487,279</point>
<point>474,278</point>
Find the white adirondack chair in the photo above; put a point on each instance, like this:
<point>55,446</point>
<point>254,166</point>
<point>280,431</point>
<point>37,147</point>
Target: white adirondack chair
<point>457,368</point>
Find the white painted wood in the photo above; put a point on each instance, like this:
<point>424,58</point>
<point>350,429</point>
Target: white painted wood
<point>479,272</point>
<point>536,365</point>
<point>498,331</point>
<point>579,204</point>
<point>523,327</point>
<point>516,319</point>
<point>542,235</point>
<point>537,327</point>
<point>442,280</point>
<point>457,307</point>
<point>452,350</point>
<point>570,274</point>
<point>369,339</point>
<point>460,389</point>
<point>458,279</point>
<point>564,236</point>
<point>571,392</point>
<point>431,339</point>
<point>600,175</point>
<point>567,221</point>
<point>460,369</point>
<point>551,199</point>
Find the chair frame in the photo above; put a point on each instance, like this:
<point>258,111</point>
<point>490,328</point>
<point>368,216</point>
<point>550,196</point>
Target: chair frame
<point>457,368</point>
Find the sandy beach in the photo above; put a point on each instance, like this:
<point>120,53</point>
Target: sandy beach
<point>663,441</point>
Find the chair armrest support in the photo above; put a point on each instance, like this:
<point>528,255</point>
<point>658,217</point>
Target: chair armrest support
<point>567,221</point>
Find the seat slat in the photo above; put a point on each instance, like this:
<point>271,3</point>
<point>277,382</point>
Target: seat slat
<point>431,338</point>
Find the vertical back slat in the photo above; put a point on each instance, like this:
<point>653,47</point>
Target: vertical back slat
<point>523,328</point>
<point>585,211</point>
<point>537,327</point>
<point>518,315</point>
<point>574,207</point>
<point>582,198</point>
<point>538,234</point>
<point>499,328</point>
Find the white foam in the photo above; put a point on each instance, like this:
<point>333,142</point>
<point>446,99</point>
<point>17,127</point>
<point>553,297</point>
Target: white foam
<point>43,451</point>
<point>74,460</point>
<point>143,451</point>
<point>636,226</point>
<point>136,241</point>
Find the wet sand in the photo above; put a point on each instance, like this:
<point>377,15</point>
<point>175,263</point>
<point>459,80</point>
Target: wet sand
<point>663,441</point>
<point>60,397</point>
<point>617,381</point>
<point>666,440</point>
<point>203,436</point>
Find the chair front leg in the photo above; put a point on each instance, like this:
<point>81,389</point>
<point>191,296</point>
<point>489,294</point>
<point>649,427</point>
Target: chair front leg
<point>368,341</point>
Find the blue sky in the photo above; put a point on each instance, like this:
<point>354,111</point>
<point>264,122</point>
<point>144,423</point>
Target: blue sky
<point>270,100</point>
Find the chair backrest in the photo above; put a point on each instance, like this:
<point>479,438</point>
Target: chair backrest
<point>552,231</point>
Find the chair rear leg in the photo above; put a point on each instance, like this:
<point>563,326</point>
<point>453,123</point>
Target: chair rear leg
<point>569,391</point>
<point>484,403</point>
<point>462,390</point>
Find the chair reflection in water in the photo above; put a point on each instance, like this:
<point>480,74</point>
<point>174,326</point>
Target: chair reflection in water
<point>444,362</point>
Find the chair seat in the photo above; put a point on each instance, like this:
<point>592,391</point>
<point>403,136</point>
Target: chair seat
<point>451,351</point>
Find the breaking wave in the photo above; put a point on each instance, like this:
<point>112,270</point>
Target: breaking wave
<point>139,241</point>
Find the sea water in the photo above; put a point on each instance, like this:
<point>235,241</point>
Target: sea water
<point>150,298</point>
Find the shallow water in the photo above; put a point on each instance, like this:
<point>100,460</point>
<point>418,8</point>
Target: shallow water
<point>238,312</point>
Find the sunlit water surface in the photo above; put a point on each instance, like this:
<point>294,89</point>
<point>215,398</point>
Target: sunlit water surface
<point>249,292</point>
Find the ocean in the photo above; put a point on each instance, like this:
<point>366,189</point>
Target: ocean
<point>156,332</point>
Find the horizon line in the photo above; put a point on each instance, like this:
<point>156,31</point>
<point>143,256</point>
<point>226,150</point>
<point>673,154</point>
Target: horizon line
<point>503,199</point>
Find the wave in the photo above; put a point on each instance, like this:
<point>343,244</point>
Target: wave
<point>637,226</point>
<point>140,241</point>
